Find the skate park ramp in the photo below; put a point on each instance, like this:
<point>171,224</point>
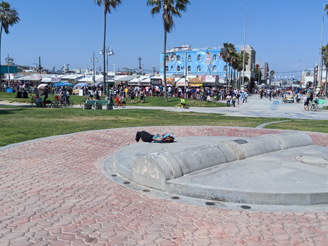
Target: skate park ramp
<point>274,169</point>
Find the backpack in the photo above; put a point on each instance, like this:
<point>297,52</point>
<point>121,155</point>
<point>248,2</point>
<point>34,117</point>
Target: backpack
<point>168,137</point>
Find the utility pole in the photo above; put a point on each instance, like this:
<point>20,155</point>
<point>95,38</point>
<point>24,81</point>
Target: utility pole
<point>243,78</point>
<point>40,67</point>
<point>140,68</point>
<point>320,68</point>
<point>8,72</point>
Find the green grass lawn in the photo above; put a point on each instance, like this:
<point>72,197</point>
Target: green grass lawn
<point>19,124</point>
<point>150,101</point>
<point>25,123</point>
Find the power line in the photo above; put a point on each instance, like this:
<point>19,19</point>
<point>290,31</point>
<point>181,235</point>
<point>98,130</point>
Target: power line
<point>293,62</point>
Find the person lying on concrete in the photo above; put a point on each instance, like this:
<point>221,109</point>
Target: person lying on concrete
<point>149,138</point>
<point>144,136</point>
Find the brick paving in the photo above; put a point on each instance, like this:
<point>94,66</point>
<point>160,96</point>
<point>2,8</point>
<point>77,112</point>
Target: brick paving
<point>52,192</point>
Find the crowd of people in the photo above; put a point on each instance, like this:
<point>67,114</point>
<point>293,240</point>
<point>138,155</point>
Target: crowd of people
<point>138,94</point>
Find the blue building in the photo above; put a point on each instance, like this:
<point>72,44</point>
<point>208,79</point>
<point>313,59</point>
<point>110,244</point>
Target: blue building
<point>197,61</point>
<point>4,69</point>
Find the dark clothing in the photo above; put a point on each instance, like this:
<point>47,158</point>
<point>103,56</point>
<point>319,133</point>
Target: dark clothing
<point>145,136</point>
<point>45,93</point>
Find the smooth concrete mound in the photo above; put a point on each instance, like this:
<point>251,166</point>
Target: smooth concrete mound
<point>153,170</point>
<point>275,169</point>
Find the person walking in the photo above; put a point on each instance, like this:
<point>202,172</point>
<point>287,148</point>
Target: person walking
<point>45,93</point>
<point>245,96</point>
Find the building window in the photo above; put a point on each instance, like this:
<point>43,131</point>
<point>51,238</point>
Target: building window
<point>199,58</point>
<point>214,69</point>
<point>189,68</point>
<point>178,68</point>
<point>189,58</point>
<point>215,57</point>
<point>199,69</point>
<point>178,58</point>
<point>166,68</point>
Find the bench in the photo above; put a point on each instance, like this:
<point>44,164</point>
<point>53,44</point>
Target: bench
<point>97,104</point>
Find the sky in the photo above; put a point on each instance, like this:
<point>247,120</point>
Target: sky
<point>284,33</point>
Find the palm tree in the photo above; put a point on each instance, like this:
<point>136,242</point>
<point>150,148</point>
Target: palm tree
<point>234,65</point>
<point>325,61</point>
<point>109,5</point>
<point>170,8</point>
<point>8,18</point>
<point>227,52</point>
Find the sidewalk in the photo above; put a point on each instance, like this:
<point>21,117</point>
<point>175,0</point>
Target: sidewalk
<point>255,107</point>
<point>52,192</point>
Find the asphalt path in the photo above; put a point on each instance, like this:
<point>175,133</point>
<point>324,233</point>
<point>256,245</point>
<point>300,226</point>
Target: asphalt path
<point>257,107</point>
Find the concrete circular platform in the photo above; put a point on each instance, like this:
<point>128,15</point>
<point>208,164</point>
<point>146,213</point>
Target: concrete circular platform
<point>289,177</point>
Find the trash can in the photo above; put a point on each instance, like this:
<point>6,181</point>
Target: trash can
<point>228,103</point>
<point>38,102</point>
<point>109,107</point>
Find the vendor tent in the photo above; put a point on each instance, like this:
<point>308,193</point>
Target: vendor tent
<point>63,84</point>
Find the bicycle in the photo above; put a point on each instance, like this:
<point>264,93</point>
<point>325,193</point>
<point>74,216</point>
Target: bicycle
<point>119,103</point>
<point>314,107</point>
<point>33,101</point>
<point>57,102</point>
<point>48,104</point>
<point>83,101</point>
<point>69,103</point>
<point>62,102</point>
<point>185,106</point>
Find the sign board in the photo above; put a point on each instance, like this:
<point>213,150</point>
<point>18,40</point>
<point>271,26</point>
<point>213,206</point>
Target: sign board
<point>170,79</point>
<point>208,78</point>
<point>155,81</point>
<point>55,79</point>
<point>195,80</point>
<point>11,76</point>
<point>36,76</point>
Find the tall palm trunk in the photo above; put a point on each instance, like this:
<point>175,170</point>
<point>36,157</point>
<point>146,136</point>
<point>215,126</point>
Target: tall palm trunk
<point>104,52</point>
<point>227,74</point>
<point>234,78</point>
<point>165,92</point>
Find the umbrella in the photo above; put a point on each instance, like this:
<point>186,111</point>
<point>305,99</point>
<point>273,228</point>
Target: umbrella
<point>63,84</point>
<point>81,85</point>
<point>42,85</point>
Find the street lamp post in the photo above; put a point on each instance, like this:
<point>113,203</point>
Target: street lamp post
<point>186,72</point>
<point>93,60</point>
<point>109,53</point>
